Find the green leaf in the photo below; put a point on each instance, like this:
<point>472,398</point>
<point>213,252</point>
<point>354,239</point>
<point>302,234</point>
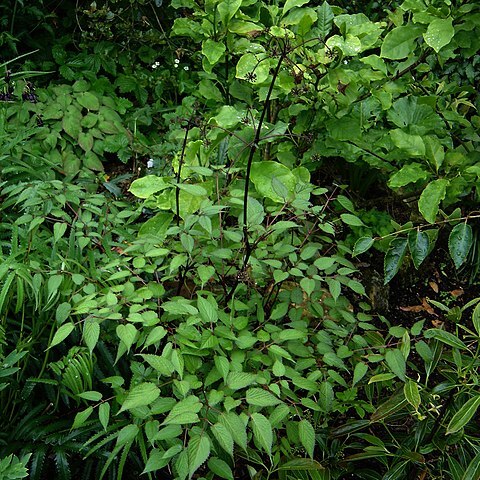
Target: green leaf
<point>146,186</point>
<point>208,309</point>
<point>71,122</point>
<point>88,100</point>
<point>198,452</point>
<point>359,372</point>
<point>412,394</point>
<point>261,398</point>
<point>91,395</point>
<point>82,417</point>
<point>430,199</point>
<point>473,470</point>
<point>323,263</point>
<point>127,434</point>
<point>439,33</point>
<point>239,380</point>
<point>262,431</point>
<point>228,117</point>
<point>141,395</point>
<point>213,51</point>
<point>269,176</point>
<point>223,437</point>
<point>400,42</point>
<point>460,242</point>
<point>253,68</point>
<point>445,337</point>
<point>409,173</point>
<point>184,412</point>
<point>418,244</point>
<point>220,468</point>
<point>413,145</point>
<point>227,10</point>
<point>476,318</point>
<point>104,414</point>
<point>306,434</point>
<point>62,312</point>
<point>325,19</point>
<point>464,415</point>
<point>352,220</point>
<point>362,245</point>
<point>91,333</point>
<point>127,334</point>
<point>396,362</point>
<point>289,4</point>
<point>85,140</point>
<point>394,257</point>
<point>62,333</point>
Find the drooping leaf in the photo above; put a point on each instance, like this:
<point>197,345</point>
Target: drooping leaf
<point>306,434</point>
<point>198,452</point>
<point>418,244</point>
<point>220,468</point>
<point>141,395</point>
<point>289,4</point>
<point>262,431</point>
<point>394,257</point>
<point>460,242</point>
<point>445,337</point>
<point>430,199</point>
<point>396,362</point>
<point>104,414</point>
<point>91,333</point>
<point>359,372</point>
<point>61,334</point>
<point>464,415</point>
<point>223,437</point>
<point>400,41</point>
<point>362,245</point>
<point>82,417</point>
<point>412,394</point>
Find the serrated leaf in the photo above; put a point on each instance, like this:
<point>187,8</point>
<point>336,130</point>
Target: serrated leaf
<point>198,452</point>
<point>464,415</point>
<point>362,245</point>
<point>261,398</point>
<point>88,100</point>
<point>62,333</point>
<point>262,431</point>
<point>184,411</point>
<point>325,19</point>
<point>238,380</point>
<point>82,417</point>
<point>127,334</point>
<point>460,242</point>
<point>429,201</point>
<point>396,362</point>
<point>236,428</point>
<point>394,257</point>
<point>306,434</point>
<point>208,309</point>
<point>91,333</point>
<point>223,437</point>
<point>220,468</point>
<point>412,394</point>
<point>127,434</point>
<point>141,395</point>
<point>419,245</point>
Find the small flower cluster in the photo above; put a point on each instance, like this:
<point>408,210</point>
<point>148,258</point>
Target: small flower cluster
<point>156,65</point>
<point>176,64</point>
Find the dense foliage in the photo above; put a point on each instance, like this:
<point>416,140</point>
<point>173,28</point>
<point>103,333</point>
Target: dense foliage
<point>195,201</point>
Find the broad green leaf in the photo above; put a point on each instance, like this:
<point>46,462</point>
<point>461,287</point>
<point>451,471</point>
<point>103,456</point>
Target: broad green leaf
<point>410,173</point>
<point>262,431</point>
<point>306,434</point>
<point>61,334</point>
<point>185,411</point>
<point>362,245</point>
<point>323,263</point>
<point>464,415</point>
<point>198,452</point>
<point>236,427</point>
<point>91,333</point>
<point>413,145</point>
<point>146,186</point>
<point>223,437</point>
<point>82,417</point>
<point>104,414</point>
<point>253,68</point>
<point>62,312</point>
<point>156,225</point>
<point>239,380</point>
<point>161,364</point>
<point>334,288</point>
<point>412,394</point>
<point>445,337</point>
<point>141,395</point>
<point>127,434</point>
<point>227,10</point>
<point>127,334</point>
<point>325,19</point>
<point>308,285</point>
<point>460,242</point>
<point>326,396</point>
<point>208,309</point>
<point>89,101</point>
<point>71,122</point>
<point>418,244</point>
<point>220,468</point>
<point>359,372</point>
<point>352,220</point>
<point>228,117</point>
<point>396,362</point>
<point>439,33</point>
<point>91,395</point>
<point>85,140</point>
<point>213,50</point>
<point>430,199</point>
<point>394,257</point>
<point>269,176</point>
<point>261,398</point>
<point>400,42</point>
<point>289,4</point>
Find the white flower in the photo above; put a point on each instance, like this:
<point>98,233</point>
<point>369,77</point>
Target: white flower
<point>150,163</point>
<point>185,68</point>
<point>155,65</point>
<point>177,61</point>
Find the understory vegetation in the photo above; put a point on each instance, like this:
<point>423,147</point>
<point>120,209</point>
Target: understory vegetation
<point>239,239</point>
